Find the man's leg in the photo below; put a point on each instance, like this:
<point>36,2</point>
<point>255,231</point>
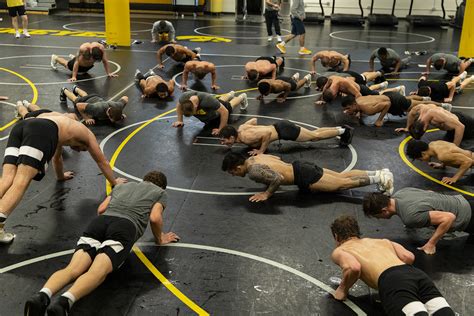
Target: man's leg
<point>301,40</point>
<point>268,23</point>
<point>21,110</point>
<point>379,86</point>
<point>319,134</point>
<point>15,26</point>
<point>464,65</point>
<point>227,97</point>
<point>466,82</point>
<point>24,23</point>
<point>303,82</point>
<point>334,181</point>
<point>80,92</point>
<point>63,62</point>
<point>23,176</point>
<point>371,75</point>
<point>71,96</point>
<point>239,100</point>
<point>6,180</point>
<point>399,89</point>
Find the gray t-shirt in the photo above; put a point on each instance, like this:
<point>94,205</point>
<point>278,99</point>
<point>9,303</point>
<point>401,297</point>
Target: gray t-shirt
<point>208,105</point>
<point>413,205</point>
<point>452,62</point>
<point>169,28</point>
<point>270,8</point>
<point>390,61</point>
<point>297,9</point>
<point>98,110</point>
<point>134,201</point>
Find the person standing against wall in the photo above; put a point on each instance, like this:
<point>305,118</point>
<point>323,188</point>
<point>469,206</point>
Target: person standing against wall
<point>272,7</point>
<point>17,8</point>
<point>297,28</point>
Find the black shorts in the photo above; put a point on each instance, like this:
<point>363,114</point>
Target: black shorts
<point>14,11</point>
<point>364,90</point>
<point>305,174</point>
<point>32,143</point>
<point>82,69</point>
<point>468,127</point>
<point>272,60</point>
<point>111,235</point>
<point>398,103</point>
<point>287,130</point>
<point>291,81</point>
<point>439,90</point>
<point>401,285</point>
<point>297,26</point>
<point>90,98</point>
<point>33,114</point>
<point>359,79</point>
<point>214,123</point>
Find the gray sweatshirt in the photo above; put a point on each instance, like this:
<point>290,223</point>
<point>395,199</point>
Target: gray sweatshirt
<point>168,29</point>
<point>297,9</point>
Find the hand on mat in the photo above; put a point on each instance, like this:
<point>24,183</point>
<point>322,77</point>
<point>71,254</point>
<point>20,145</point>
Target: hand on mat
<point>320,102</point>
<point>339,294</point>
<point>378,123</point>
<point>177,124</point>
<point>428,249</point>
<point>111,75</point>
<point>448,180</point>
<point>401,130</point>
<point>184,87</point>
<point>260,97</point>
<point>161,66</point>
<point>215,132</point>
<point>68,175</point>
<point>281,100</point>
<point>90,122</point>
<point>215,87</point>
<point>259,197</point>
<point>436,165</point>
<point>167,238</point>
<point>3,98</point>
<point>72,79</point>
<point>120,181</point>
<point>255,152</point>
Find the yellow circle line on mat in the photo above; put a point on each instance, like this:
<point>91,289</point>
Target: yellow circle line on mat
<point>401,151</point>
<point>33,87</point>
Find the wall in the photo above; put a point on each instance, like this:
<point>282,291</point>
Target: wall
<point>382,6</point>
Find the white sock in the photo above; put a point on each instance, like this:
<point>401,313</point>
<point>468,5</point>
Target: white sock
<point>47,291</point>
<point>371,173</point>
<point>340,130</point>
<point>71,299</point>
<point>374,179</point>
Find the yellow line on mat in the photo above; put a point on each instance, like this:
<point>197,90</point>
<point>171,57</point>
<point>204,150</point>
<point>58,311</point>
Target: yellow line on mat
<point>401,151</point>
<point>167,283</point>
<point>33,87</point>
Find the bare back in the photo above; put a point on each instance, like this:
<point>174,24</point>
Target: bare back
<point>151,83</point>
<point>277,86</point>
<point>264,67</point>
<point>252,135</point>
<point>191,66</point>
<point>450,154</point>
<point>439,117</point>
<point>275,164</point>
<point>372,104</point>
<point>344,85</point>
<point>374,255</point>
<point>70,132</point>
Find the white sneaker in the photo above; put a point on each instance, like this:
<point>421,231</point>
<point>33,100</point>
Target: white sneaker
<point>231,94</point>
<point>17,107</point>
<point>198,49</point>
<point>307,84</point>
<point>379,73</point>
<point>71,56</point>
<point>471,60</point>
<point>296,76</point>
<point>26,34</point>
<point>279,38</point>
<point>402,90</point>
<point>270,38</point>
<point>137,72</point>
<point>384,85</point>
<point>54,61</point>
<point>6,238</point>
<point>426,98</point>
<point>386,181</point>
<point>463,75</point>
<point>448,107</point>
<point>17,34</point>
<point>245,102</point>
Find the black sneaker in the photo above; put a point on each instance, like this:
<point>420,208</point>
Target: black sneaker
<point>36,305</point>
<point>62,95</point>
<point>74,89</point>
<point>346,137</point>
<point>59,307</point>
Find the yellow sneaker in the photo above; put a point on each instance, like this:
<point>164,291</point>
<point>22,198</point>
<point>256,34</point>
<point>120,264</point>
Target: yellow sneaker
<point>304,51</point>
<point>281,47</point>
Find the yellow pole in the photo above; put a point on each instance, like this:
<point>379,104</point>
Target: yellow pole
<point>117,22</point>
<point>466,45</point>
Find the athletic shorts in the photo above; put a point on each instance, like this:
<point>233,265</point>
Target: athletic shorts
<point>111,235</point>
<point>359,79</point>
<point>34,114</point>
<point>90,98</point>
<point>291,81</point>
<point>402,285</point>
<point>439,90</point>
<point>364,90</point>
<point>14,11</point>
<point>305,174</point>
<point>287,130</point>
<point>398,103</point>
<point>82,69</point>
<point>297,26</point>
<point>32,143</point>
<point>468,127</point>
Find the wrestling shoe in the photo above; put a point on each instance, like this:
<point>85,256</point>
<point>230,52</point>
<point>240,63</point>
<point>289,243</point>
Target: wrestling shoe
<point>36,305</point>
<point>71,56</point>
<point>245,102</point>
<point>270,38</point>
<point>26,104</point>
<point>307,84</point>
<point>54,61</point>
<point>402,90</point>
<point>447,106</point>
<point>279,39</point>
<point>386,182</point>
<point>26,34</point>
<point>74,90</point>
<point>231,94</point>
<point>137,72</point>
<point>426,98</point>
<point>296,76</point>
<point>62,95</point>
<point>6,238</point>
<point>150,72</point>
<point>281,47</point>
<point>17,107</point>
<point>198,50</point>
<point>59,307</point>
<point>17,34</point>
<point>304,51</point>
<point>346,137</point>
<point>384,85</point>
<point>463,75</point>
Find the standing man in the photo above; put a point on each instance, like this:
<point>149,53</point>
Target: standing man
<point>32,144</point>
<point>17,8</point>
<point>106,243</point>
<point>387,266</point>
<point>163,31</point>
<point>422,208</point>
<point>389,60</point>
<point>272,7</point>
<point>297,28</point>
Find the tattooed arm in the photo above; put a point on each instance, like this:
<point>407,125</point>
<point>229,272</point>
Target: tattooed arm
<point>263,174</point>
